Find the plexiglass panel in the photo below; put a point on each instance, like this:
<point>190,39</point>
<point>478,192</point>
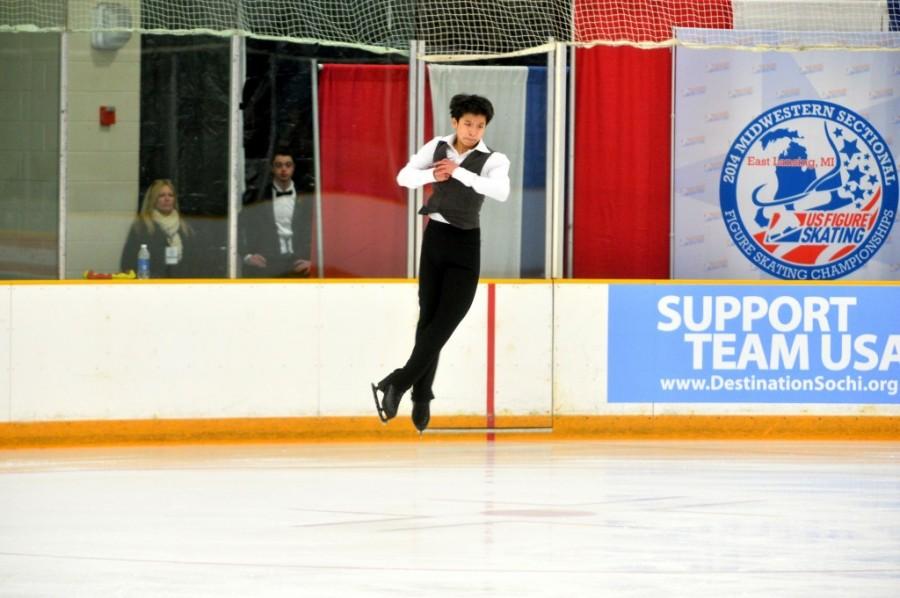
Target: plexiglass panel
<point>148,156</point>
<point>512,231</point>
<point>349,216</point>
<point>29,155</point>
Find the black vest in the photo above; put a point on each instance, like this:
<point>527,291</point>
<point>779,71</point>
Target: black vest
<point>458,204</point>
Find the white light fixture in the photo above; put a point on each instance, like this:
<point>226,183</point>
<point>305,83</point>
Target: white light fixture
<point>111,24</point>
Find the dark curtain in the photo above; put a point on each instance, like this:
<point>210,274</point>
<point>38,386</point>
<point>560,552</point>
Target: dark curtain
<point>184,133</point>
<point>277,111</point>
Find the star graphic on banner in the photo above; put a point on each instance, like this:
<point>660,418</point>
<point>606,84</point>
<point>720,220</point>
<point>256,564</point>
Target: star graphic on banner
<point>858,193</point>
<point>873,179</point>
<point>848,146</point>
<point>838,132</point>
<point>854,176</point>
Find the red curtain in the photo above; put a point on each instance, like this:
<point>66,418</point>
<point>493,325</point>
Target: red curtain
<point>363,145</point>
<point>623,101</point>
<point>622,147</point>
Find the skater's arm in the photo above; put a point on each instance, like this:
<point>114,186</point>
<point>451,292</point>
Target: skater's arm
<point>420,168</point>
<point>494,178</point>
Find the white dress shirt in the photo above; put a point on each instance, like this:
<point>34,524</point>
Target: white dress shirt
<point>493,181</point>
<point>284,214</point>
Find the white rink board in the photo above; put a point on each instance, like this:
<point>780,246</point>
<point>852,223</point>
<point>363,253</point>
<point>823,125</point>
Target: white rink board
<point>366,330</point>
<point>523,349</point>
<point>459,385</point>
<point>74,351</point>
<point>5,342</point>
<point>145,350</point>
<point>580,357</point>
<point>135,351</point>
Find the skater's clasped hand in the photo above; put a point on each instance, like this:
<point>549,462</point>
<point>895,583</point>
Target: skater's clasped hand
<point>443,169</point>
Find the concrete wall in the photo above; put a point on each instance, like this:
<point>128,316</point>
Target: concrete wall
<point>103,164</point>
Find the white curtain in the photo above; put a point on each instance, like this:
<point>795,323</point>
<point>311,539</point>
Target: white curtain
<point>505,87</point>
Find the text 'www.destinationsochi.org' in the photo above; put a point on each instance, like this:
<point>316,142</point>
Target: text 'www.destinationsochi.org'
<point>781,383</point>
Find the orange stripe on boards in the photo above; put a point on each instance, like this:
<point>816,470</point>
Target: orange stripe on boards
<point>369,429</point>
<point>728,427</point>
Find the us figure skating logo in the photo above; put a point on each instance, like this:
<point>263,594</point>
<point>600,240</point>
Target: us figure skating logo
<point>809,191</point>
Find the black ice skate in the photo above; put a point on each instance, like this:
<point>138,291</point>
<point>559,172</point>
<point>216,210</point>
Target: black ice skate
<point>390,401</point>
<point>421,415</point>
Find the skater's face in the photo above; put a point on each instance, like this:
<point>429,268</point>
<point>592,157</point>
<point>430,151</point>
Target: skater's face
<point>283,169</point>
<point>165,201</point>
<point>469,129</point>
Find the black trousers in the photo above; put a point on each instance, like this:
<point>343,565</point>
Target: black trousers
<point>448,279</point>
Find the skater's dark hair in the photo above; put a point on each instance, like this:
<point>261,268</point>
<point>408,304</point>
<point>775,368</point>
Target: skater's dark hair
<point>463,103</point>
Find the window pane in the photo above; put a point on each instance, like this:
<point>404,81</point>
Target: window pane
<point>512,231</point>
<point>184,137</point>
<point>29,155</point>
<point>364,123</point>
<point>362,107</point>
<point>276,233</point>
<point>166,138</point>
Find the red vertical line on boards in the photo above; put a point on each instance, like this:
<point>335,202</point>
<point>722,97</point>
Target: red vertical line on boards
<point>491,328</point>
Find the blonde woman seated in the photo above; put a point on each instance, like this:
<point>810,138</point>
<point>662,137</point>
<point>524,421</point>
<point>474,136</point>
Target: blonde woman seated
<point>160,226</point>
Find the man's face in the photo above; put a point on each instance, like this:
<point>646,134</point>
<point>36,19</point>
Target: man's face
<point>469,129</point>
<point>283,169</point>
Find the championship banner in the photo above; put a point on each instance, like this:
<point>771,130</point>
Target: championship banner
<point>784,162</point>
<point>754,344</point>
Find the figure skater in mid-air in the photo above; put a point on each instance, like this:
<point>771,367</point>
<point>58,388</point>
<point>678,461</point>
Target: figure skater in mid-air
<point>463,170</point>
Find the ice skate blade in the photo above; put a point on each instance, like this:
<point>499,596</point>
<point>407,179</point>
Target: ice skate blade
<point>381,414</point>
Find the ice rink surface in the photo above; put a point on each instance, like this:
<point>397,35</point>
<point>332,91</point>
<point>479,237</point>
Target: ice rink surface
<point>460,519</point>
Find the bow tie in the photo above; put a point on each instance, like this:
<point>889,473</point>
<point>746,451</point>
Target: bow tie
<point>280,193</point>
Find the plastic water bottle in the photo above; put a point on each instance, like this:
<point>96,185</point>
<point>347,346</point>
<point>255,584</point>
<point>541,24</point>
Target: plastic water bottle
<point>143,262</point>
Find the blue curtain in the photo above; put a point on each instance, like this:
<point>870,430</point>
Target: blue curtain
<point>534,176</point>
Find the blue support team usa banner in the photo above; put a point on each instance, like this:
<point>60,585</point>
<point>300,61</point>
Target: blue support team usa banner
<point>754,344</point>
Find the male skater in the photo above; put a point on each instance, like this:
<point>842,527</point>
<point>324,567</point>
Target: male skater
<point>463,170</point>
